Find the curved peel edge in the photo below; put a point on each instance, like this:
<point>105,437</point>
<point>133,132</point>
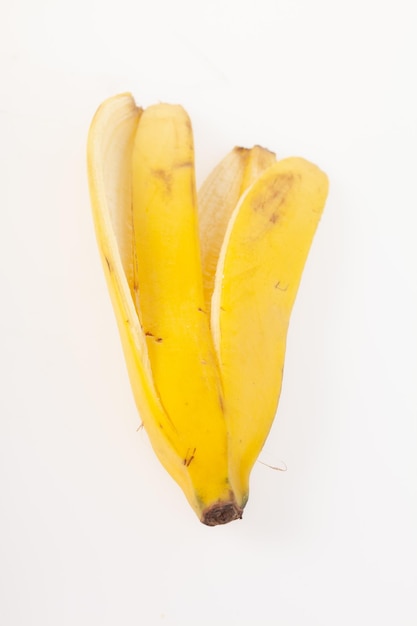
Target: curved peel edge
<point>109,149</point>
<point>258,274</point>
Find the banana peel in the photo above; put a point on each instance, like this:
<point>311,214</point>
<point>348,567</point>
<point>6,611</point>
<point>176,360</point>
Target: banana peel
<point>202,287</point>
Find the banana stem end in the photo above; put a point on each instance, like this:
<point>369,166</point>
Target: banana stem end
<point>221,513</point>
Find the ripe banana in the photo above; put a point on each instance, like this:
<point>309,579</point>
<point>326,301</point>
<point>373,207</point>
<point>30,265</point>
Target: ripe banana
<point>202,296</point>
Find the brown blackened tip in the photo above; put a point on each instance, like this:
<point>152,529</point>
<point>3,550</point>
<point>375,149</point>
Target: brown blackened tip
<point>221,513</point>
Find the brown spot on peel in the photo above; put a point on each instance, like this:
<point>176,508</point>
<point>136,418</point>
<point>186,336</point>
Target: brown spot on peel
<point>274,196</point>
<point>157,339</point>
<point>278,286</point>
<point>188,459</point>
<point>164,176</point>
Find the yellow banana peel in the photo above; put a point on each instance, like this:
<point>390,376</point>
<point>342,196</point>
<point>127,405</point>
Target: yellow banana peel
<point>202,288</point>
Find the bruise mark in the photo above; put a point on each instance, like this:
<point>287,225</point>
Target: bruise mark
<point>159,340</point>
<point>274,197</point>
<point>222,309</point>
<point>202,311</point>
<point>203,362</point>
<point>188,459</point>
<point>164,176</point>
<point>278,286</point>
<point>108,264</point>
<point>221,402</point>
<point>183,164</point>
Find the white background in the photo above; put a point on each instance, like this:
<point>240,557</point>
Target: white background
<point>92,529</point>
